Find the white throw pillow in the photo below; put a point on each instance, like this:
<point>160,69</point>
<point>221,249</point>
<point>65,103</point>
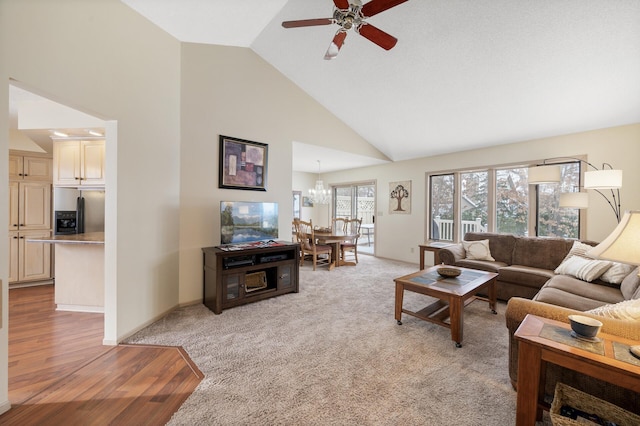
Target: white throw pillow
<point>614,275</point>
<point>477,250</point>
<point>579,249</point>
<point>584,269</point>
<point>617,273</point>
<point>627,310</point>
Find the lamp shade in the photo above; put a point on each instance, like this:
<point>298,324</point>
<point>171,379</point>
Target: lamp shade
<point>622,245</point>
<point>603,179</point>
<point>544,174</point>
<point>575,200</point>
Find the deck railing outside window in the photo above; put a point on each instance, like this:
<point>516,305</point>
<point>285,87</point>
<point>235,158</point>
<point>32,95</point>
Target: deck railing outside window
<point>445,227</point>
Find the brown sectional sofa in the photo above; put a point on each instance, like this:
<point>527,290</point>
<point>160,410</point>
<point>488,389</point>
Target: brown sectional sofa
<point>523,264</point>
<point>527,281</point>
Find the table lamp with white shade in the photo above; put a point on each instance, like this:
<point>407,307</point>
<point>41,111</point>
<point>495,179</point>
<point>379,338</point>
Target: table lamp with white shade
<point>623,245</point>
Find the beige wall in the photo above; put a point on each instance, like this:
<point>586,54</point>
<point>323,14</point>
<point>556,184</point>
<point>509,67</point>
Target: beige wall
<point>318,214</point>
<point>398,236</point>
<point>232,91</point>
<point>102,58</point>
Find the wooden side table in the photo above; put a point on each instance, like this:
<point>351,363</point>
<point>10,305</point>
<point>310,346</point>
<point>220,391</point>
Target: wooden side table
<point>434,247</point>
<point>543,341</point>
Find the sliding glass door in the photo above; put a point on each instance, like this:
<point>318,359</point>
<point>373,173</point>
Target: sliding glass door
<point>358,201</point>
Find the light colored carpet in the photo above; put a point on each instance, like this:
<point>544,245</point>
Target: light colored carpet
<point>333,354</point>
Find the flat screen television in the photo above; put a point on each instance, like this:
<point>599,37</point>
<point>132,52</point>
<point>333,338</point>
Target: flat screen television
<point>247,221</point>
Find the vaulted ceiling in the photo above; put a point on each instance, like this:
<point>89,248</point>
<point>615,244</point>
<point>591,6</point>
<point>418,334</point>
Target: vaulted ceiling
<point>464,74</point>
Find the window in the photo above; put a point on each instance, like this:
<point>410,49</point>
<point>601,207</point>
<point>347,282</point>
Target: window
<point>512,201</point>
<point>474,205</point>
<point>442,199</point>
<point>501,200</point>
<point>553,221</point>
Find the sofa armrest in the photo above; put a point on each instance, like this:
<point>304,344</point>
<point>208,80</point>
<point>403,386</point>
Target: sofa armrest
<point>518,308</point>
<point>451,254</point>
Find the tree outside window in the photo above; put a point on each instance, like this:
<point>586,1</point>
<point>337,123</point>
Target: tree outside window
<point>516,210</point>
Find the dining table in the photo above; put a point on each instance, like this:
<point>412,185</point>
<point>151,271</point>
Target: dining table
<point>335,238</point>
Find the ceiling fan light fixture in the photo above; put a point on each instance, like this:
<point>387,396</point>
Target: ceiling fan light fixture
<point>351,14</point>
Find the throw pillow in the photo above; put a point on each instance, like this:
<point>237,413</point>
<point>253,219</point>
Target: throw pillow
<point>627,310</point>
<point>614,275</point>
<point>617,273</point>
<point>584,269</point>
<point>579,249</point>
<point>477,250</point>
<point>631,285</point>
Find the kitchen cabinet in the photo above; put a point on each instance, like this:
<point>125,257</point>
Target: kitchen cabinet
<point>29,206</point>
<point>29,261</point>
<point>78,163</point>
<point>29,217</point>
<point>30,168</point>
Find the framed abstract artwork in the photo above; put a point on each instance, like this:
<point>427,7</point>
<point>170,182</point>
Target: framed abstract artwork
<point>243,164</point>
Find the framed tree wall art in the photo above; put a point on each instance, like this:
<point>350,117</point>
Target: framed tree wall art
<point>243,164</point>
<point>400,197</point>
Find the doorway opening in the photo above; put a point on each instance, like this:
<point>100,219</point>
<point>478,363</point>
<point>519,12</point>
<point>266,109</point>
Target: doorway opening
<point>41,123</point>
<point>358,200</point>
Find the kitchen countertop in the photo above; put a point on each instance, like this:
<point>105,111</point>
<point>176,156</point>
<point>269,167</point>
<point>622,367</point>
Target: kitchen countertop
<point>86,238</point>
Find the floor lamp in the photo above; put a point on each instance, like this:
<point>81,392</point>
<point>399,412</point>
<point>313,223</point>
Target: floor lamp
<point>596,179</point>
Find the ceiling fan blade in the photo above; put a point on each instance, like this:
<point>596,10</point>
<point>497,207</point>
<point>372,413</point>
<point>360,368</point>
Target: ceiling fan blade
<point>341,4</point>
<point>307,22</point>
<point>336,44</point>
<point>376,35</point>
<point>376,6</point>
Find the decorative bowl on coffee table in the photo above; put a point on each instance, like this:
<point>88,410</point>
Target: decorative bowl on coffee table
<point>448,272</point>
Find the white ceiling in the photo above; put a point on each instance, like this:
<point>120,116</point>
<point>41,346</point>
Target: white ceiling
<point>464,74</point>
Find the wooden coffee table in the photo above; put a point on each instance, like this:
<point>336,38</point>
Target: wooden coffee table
<point>453,295</point>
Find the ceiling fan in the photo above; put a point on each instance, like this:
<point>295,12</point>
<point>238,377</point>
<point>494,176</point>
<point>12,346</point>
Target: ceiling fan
<point>351,14</point>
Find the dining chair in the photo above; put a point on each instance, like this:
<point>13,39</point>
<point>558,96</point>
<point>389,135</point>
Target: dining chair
<point>320,253</point>
<point>339,223</point>
<point>351,227</point>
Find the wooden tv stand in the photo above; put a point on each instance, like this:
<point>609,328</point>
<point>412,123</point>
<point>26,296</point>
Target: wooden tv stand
<point>236,277</point>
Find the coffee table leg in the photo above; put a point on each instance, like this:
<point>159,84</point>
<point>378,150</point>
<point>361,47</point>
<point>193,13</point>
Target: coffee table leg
<point>399,297</point>
<point>456,319</point>
<point>493,296</point>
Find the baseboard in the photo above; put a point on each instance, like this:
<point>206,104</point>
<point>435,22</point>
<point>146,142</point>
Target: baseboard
<point>193,302</point>
<point>29,284</point>
<point>80,308</point>
<point>5,406</point>
<point>140,327</point>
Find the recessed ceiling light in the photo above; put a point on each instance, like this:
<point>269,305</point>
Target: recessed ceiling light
<point>60,134</point>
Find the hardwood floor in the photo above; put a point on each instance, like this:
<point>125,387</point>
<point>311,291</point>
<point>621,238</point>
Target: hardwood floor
<point>59,372</point>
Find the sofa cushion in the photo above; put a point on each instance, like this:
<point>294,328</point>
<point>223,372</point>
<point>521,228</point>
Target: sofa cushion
<point>630,286</point>
<point>483,265</point>
<point>563,290</point>
<point>500,245</point>
<point>477,250</point>
<point>583,268</point>
<point>544,253</point>
<point>626,310</point>
<point>525,275</point>
<point>558,297</point>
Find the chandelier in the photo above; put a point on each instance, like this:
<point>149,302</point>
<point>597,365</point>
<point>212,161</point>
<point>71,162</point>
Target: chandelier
<point>319,195</point>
